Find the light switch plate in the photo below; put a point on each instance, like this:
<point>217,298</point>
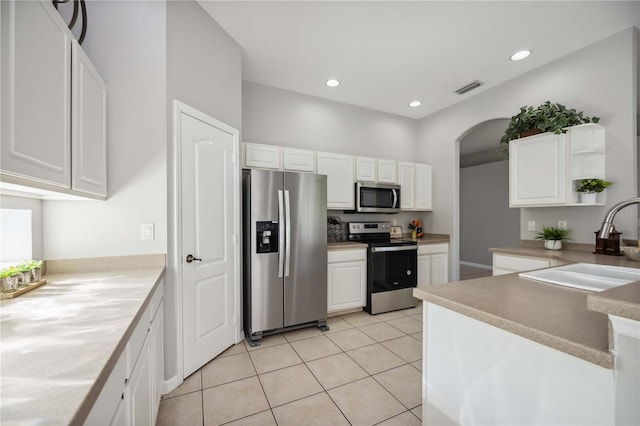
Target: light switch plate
<point>147,231</point>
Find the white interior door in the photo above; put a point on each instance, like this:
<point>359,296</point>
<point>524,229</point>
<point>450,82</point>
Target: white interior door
<point>209,212</point>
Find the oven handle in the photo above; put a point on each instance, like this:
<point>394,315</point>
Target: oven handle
<point>398,248</point>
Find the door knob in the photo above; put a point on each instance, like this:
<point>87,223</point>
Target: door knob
<point>190,258</point>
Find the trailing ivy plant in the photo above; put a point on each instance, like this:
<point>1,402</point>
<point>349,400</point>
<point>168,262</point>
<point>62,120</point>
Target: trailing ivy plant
<point>547,117</point>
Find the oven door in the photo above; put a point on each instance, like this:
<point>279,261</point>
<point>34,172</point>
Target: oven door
<point>392,267</point>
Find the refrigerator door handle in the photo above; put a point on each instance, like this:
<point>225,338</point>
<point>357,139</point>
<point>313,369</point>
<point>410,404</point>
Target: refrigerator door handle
<point>287,234</point>
<point>280,235</point>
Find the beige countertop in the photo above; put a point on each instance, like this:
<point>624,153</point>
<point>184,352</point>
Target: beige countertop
<point>570,320</point>
<point>59,342</point>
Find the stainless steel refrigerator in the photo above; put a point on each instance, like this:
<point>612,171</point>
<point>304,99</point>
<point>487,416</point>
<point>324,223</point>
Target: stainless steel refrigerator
<point>285,251</point>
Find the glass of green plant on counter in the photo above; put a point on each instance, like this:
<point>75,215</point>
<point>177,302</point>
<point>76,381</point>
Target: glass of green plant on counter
<point>9,278</point>
<point>20,275</point>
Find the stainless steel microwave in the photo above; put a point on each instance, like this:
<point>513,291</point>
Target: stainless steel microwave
<point>377,198</point>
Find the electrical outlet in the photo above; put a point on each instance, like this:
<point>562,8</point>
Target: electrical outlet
<point>562,224</point>
<point>531,225</point>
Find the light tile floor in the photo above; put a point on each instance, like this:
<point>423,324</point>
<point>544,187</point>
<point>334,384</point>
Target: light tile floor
<point>364,371</point>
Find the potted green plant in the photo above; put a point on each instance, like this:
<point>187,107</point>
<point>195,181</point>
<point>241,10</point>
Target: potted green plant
<point>548,117</point>
<point>9,278</point>
<point>36,270</point>
<point>553,237</point>
<point>588,188</point>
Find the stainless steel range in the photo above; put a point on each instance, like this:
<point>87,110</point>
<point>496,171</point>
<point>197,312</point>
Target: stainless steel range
<point>391,267</point>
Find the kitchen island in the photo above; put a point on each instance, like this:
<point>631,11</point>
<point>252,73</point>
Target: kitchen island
<point>60,342</point>
<point>509,350</point>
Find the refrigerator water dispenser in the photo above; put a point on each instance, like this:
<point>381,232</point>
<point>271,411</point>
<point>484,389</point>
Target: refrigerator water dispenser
<point>267,237</point>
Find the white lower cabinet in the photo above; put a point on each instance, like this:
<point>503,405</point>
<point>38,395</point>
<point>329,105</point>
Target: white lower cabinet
<point>508,264</point>
<point>433,264</point>
<point>131,394</point>
<point>346,279</point>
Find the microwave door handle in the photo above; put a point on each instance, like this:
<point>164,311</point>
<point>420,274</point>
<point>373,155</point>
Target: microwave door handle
<point>287,234</point>
<point>395,198</point>
<point>280,235</point>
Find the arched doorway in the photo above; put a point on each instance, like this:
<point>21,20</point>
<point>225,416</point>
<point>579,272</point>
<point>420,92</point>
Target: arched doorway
<point>485,219</point>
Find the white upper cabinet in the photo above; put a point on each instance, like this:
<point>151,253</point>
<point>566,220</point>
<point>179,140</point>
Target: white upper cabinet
<point>36,93</point>
<point>262,156</point>
<point>424,187</point>
<point>545,169</point>
<point>416,184</point>
<point>366,169</point>
<point>89,126</point>
<point>298,160</point>
<point>340,179</point>
<point>407,181</point>
<point>537,173</point>
<point>387,171</point>
<point>43,71</point>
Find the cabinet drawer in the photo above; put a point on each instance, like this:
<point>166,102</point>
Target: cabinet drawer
<point>346,255</point>
<point>156,300</point>
<point>433,248</point>
<point>136,341</point>
<point>515,263</point>
<point>106,405</point>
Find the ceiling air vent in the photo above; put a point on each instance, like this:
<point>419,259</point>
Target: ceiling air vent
<point>468,87</point>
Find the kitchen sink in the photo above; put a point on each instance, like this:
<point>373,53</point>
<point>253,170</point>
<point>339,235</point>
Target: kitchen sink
<point>586,276</point>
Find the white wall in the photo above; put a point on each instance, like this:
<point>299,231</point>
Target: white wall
<point>203,71</point>
<point>126,43</point>
<point>485,217</point>
<point>599,80</point>
<point>279,117</point>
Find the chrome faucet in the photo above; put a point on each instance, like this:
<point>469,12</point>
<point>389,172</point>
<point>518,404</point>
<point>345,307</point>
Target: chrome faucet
<point>605,229</point>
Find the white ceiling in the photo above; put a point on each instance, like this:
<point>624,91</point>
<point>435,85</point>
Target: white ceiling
<point>387,53</point>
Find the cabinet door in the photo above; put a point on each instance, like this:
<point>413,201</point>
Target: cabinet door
<point>424,185</point>
<point>424,270</point>
<point>439,268</point>
<point>537,170</point>
<point>121,417</point>
<point>157,356</point>
<point>365,169</point>
<point>387,171</point>
<point>407,179</point>
<point>36,91</point>
<point>340,183</point>
<point>298,160</point>
<point>140,390</point>
<point>346,285</point>
<point>89,129</point>
<point>262,156</point>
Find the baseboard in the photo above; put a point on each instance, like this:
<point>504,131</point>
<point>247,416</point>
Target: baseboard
<point>477,265</point>
<point>170,385</point>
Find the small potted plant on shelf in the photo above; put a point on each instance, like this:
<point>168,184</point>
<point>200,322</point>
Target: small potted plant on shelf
<point>548,117</point>
<point>588,188</point>
<point>553,237</point>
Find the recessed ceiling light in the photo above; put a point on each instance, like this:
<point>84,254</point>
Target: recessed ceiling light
<point>333,83</point>
<point>518,56</point>
<point>414,104</point>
